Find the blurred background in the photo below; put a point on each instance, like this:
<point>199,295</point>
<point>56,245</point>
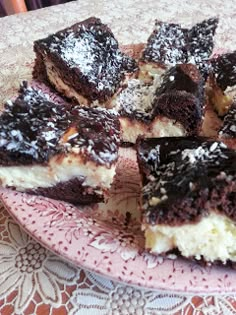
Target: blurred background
<point>8,7</point>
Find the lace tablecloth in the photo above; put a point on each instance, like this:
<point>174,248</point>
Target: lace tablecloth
<point>34,280</point>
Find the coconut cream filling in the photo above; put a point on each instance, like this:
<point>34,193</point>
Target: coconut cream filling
<point>213,238</point>
<point>61,86</point>
<point>58,170</point>
<point>160,127</point>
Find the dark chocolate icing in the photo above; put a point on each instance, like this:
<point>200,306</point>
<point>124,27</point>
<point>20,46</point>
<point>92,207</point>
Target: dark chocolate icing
<point>87,57</point>
<point>228,129</point>
<point>30,128</point>
<point>97,134</point>
<point>182,77</point>
<point>170,44</point>
<point>224,70</point>
<point>167,44</point>
<point>201,44</point>
<point>33,129</point>
<point>186,178</point>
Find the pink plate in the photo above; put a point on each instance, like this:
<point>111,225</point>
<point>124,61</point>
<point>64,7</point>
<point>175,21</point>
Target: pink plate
<point>107,239</point>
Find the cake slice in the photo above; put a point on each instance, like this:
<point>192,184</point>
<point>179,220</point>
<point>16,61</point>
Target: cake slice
<point>201,44</point>
<point>167,45</point>
<point>83,62</point>
<point>170,44</point>
<point>189,197</point>
<point>161,104</point>
<point>223,82</point>
<point>227,133</point>
<point>55,151</point>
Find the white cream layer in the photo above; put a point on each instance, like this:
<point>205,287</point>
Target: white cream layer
<point>160,127</point>
<point>214,238</point>
<point>61,86</point>
<point>56,171</point>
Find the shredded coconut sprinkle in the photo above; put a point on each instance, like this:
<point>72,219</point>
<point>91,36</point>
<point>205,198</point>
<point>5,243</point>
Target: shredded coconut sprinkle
<point>91,52</point>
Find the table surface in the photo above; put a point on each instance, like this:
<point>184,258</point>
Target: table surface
<point>58,287</point>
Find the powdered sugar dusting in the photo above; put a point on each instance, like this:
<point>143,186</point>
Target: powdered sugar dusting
<point>88,54</point>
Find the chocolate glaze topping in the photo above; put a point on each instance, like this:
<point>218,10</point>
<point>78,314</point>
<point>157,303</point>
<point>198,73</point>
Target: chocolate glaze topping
<point>88,58</point>
<point>201,44</point>
<point>228,129</point>
<point>170,44</point>
<point>224,70</point>
<point>30,128</point>
<point>96,134</point>
<point>33,129</point>
<point>185,178</point>
<point>167,44</point>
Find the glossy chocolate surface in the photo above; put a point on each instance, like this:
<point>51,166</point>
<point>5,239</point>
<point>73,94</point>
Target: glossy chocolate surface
<point>182,77</point>
<point>33,129</point>
<point>30,128</point>
<point>224,70</point>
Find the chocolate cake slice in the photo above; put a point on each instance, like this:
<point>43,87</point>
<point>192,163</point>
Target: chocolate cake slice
<point>83,62</point>
<point>170,44</point>
<point>167,44</point>
<point>189,197</point>
<point>223,82</point>
<point>168,103</point>
<point>55,151</point>
<point>227,133</point>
